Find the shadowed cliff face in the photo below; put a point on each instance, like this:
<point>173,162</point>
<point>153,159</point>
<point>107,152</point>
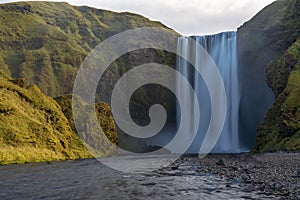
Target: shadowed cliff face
<point>264,38</point>
<point>280,129</point>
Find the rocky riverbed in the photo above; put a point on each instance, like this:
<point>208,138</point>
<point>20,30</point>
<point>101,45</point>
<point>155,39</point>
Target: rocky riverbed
<point>271,174</point>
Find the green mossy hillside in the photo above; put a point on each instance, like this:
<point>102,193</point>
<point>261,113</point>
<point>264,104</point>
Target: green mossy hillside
<point>268,57</point>
<point>281,127</point>
<point>33,127</point>
<point>46,43</point>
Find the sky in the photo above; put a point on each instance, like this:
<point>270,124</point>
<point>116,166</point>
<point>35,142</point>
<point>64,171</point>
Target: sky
<point>188,17</point>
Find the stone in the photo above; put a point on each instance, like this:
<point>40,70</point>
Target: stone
<point>221,162</point>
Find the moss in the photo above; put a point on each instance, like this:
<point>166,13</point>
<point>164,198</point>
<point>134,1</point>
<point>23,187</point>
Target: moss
<point>281,127</point>
<point>20,82</point>
<point>4,69</point>
<point>46,42</point>
<point>104,116</point>
<point>33,127</point>
<point>267,55</point>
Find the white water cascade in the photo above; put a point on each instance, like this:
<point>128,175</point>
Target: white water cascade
<point>223,50</point>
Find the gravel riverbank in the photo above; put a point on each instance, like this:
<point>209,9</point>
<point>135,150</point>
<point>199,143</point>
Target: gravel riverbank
<point>273,174</point>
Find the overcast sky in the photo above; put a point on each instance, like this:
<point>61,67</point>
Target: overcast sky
<point>189,17</point>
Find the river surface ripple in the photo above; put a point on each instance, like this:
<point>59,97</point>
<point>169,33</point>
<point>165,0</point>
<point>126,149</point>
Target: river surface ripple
<point>89,179</point>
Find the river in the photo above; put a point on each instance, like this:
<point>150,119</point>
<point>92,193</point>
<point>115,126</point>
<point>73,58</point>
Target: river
<point>89,179</point>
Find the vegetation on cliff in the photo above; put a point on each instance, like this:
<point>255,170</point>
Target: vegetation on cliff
<point>33,127</point>
<point>269,57</point>
<point>101,147</point>
<point>42,44</point>
<point>46,42</point>
<point>281,127</point>
<point>266,37</point>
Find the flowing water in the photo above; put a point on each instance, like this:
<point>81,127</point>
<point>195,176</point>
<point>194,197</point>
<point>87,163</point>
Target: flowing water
<point>222,48</point>
<point>89,179</point>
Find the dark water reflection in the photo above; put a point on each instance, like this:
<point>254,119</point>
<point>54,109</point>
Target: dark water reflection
<point>89,179</point>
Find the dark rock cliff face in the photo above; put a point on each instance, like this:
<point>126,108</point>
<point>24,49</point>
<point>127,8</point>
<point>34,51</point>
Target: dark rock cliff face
<point>263,42</point>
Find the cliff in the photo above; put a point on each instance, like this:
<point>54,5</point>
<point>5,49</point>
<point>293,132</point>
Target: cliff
<point>46,42</point>
<point>268,57</point>
<point>43,44</point>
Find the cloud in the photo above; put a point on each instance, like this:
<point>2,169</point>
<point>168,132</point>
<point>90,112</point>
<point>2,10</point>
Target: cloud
<point>191,17</point>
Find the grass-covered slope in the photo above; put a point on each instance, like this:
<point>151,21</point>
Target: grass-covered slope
<point>269,67</point>
<point>33,127</point>
<point>46,42</point>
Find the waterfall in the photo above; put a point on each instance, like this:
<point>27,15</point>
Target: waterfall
<point>223,50</point>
